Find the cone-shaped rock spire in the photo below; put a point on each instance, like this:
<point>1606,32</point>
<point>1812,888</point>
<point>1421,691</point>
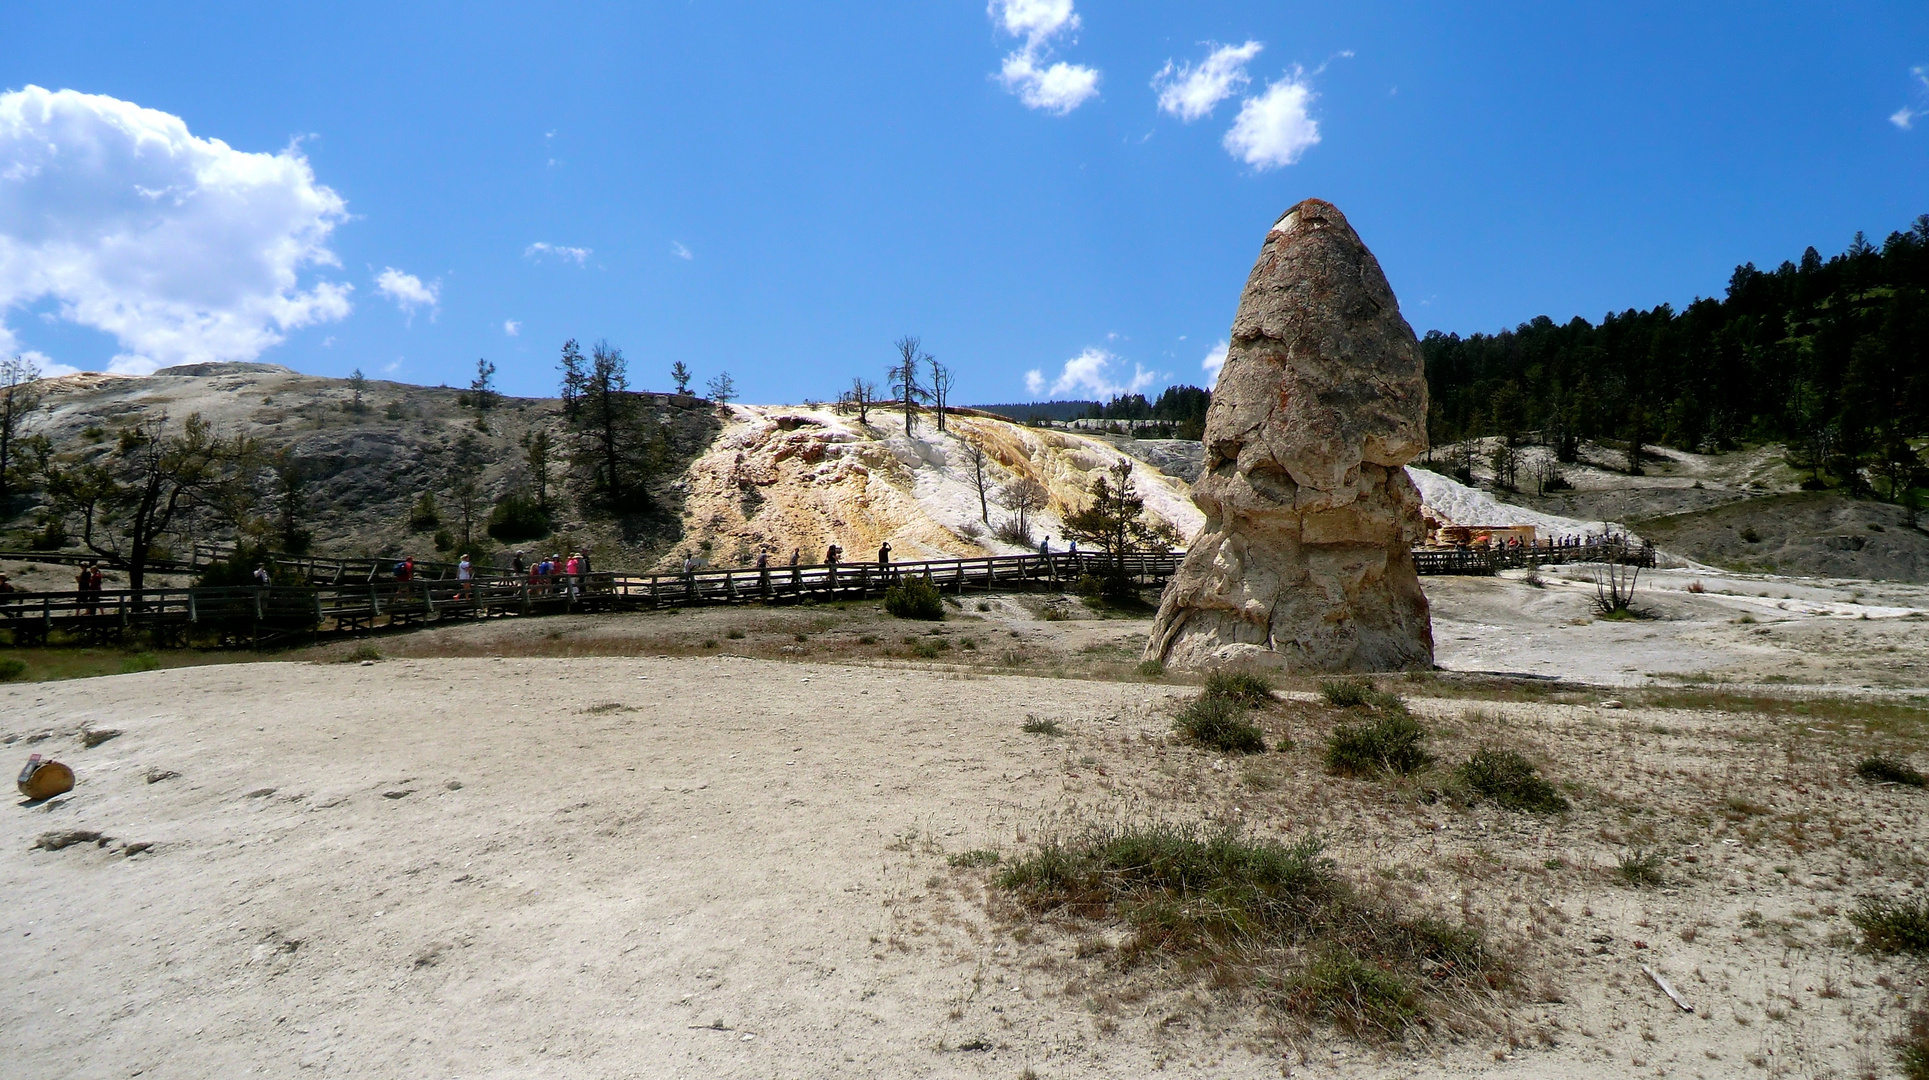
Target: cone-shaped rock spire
<point>1305,562</point>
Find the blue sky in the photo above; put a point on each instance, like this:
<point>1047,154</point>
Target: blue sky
<point>781,190</point>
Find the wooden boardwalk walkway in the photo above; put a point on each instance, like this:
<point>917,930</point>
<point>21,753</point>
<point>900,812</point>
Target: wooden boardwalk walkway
<point>357,595</point>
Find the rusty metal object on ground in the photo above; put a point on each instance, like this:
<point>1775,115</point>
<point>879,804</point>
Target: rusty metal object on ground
<point>43,779</point>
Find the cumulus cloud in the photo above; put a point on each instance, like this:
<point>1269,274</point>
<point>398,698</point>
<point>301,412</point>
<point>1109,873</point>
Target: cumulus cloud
<point>512,328</point>
<point>1089,374</point>
<point>1191,93</point>
<point>577,255</point>
<point>1274,128</point>
<point>1215,359</point>
<point>1037,21</point>
<point>181,248</point>
<point>408,291</point>
<point>681,252</point>
<point>1905,117</point>
<point>1056,87</point>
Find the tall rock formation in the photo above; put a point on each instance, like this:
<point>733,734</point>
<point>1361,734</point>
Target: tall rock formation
<point>1305,562</point>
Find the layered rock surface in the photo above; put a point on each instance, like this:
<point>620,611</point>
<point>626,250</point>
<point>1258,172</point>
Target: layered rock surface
<point>1305,560</point>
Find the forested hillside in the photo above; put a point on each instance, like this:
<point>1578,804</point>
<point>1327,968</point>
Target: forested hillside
<point>1831,356</point>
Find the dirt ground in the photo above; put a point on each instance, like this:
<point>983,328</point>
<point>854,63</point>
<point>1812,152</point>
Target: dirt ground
<point>639,846</point>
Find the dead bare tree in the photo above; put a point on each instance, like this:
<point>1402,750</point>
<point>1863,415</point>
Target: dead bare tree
<point>1024,497</point>
<point>862,395</point>
<point>980,479</point>
<point>1614,584</point>
<point>904,378</point>
<point>941,380</point>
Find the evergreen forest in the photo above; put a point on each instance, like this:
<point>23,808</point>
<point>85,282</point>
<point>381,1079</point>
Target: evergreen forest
<point>1830,356</point>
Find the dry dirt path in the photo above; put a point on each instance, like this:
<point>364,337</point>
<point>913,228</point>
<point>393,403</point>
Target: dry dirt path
<point>481,868</point>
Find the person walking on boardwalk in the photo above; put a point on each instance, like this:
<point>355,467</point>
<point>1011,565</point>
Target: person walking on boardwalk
<point>464,574</point>
<point>796,572</point>
<point>763,573</point>
<point>262,580</point>
<point>830,567</point>
<point>690,578</point>
<point>518,564</point>
<point>884,561</point>
<point>573,570</point>
<point>81,581</point>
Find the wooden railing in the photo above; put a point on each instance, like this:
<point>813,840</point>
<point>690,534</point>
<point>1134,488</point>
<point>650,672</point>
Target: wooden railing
<point>370,597</point>
<point>1488,560</point>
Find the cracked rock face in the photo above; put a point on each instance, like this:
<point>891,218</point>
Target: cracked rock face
<point>1305,561</point>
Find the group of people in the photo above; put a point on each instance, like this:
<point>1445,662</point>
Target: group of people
<point>88,584</point>
<point>544,573</point>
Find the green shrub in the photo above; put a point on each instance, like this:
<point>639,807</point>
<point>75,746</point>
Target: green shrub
<point>734,634</point>
<point>1220,723</point>
<point>1152,669</point>
<point>1359,693</point>
<point>51,537</point>
<point>1510,780</point>
<point>979,857</point>
<point>1893,925</point>
<point>1243,687</point>
<point>1641,869</point>
<point>927,649</point>
<point>1390,742</point>
<point>1912,1046</point>
<point>1089,586</point>
<point>444,540</point>
<point>1362,998</point>
<point>1347,693</point>
<point>424,515</point>
<point>361,652</point>
<point>1034,726</point>
<point>1882,769</point>
<point>11,668</point>
<point>516,517</point>
<point>914,598</point>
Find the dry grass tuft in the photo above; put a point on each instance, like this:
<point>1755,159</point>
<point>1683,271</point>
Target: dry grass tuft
<point>1259,916</point>
<point>1510,780</point>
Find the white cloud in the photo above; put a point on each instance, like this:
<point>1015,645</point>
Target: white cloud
<point>1089,374</point>
<point>1274,129</point>
<point>681,252</point>
<point>1215,359</point>
<point>1905,117</point>
<point>1191,93</point>
<point>1037,21</point>
<point>1056,88</point>
<point>408,291</point>
<point>181,248</point>
<point>512,328</point>
<point>578,255</point>
<point>48,367</point>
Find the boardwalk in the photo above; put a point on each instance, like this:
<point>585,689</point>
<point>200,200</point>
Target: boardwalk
<point>357,595</point>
